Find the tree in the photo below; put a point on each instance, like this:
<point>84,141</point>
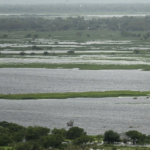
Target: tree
<point>75,132</point>
<point>27,146</point>
<point>70,52</point>
<point>136,136</point>
<point>61,132</point>
<point>5,139</point>
<point>34,47</point>
<point>46,53</point>
<point>136,51</point>
<point>35,36</point>
<point>34,133</point>
<point>88,35</point>
<point>28,36</point>
<point>12,132</point>
<point>5,36</point>
<point>53,141</point>
<point>83,140</point>
<point>111,136</point>
<point>22,53</point>
<point>99,137</point>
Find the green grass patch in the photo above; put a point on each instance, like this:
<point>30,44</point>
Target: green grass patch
<point>74,95</point>
<point>80,66</point>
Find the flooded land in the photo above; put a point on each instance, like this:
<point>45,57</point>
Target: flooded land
<point>106,56</point>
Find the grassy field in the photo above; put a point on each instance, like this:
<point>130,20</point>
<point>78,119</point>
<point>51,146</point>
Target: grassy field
<point>75,95</point>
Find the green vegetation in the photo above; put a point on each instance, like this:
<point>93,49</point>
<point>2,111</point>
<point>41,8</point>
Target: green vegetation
<point>80,66</point>
<point>74,95</point>
<point>122,24</point>
<point>111,137</point>
<point>75,138</point>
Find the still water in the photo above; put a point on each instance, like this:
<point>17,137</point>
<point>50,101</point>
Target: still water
<point>71,80</point>
<point>95,115</point>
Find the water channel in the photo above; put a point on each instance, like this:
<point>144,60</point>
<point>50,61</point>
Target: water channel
<point>95,115</point>
<point>18,80</point>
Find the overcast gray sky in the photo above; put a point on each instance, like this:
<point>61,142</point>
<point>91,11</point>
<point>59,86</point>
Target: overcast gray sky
<point>70,1</point>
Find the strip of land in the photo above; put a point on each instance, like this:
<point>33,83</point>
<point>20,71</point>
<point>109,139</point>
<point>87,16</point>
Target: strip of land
<point>75,95</point>
<point>79,66</point>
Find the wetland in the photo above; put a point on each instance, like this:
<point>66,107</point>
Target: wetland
<point>55,70</point>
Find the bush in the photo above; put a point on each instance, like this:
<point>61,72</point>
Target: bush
<point>34,133</point>
<point>22,53</point>
<point>32,53</point>
<point>46,53</point>
<point>111,136</point>
<point>70,52</point>
<point>5,36</point>
<point>28,36</point>
<point>136,51</point>
<point>36,48</point>
<point>75,132</point>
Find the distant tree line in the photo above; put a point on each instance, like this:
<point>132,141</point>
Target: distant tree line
<point>79,23</point>
<point>73,8</point>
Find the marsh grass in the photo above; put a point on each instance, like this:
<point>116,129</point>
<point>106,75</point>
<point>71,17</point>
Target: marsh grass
<point>74,95</point>
<point>79,66</point>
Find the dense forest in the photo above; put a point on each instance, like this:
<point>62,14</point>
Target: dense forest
<point>75,8</point>
<point>79,23</point>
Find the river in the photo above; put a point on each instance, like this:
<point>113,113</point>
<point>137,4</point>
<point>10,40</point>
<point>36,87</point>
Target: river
<point>19,80</point>
<point>95,115</point>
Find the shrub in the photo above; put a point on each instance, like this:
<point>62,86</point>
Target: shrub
<point>70,52</point>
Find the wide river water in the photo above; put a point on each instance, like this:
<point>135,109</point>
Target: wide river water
<point>95,115</point>
<point>71,80</point>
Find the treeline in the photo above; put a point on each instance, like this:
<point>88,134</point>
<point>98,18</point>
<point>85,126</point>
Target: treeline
<point>75,8</point>
<point>79,23</point>
<point>42,138</point>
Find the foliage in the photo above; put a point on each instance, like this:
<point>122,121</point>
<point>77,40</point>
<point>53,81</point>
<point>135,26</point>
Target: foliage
<point>36,132</point>
<point>99,137</point>
<point>46,53</point>
<point>54,141</point>
<point>34,47</point>
<point>122,24</point>
<point>61,132</point>
<point>22,53</point>
<point>136,51</point>
<point>136,136</point>
<point>27,146</point>
<point>10,132</point>
<point>80,66</point>
<point>74,95</point>
<point>70,52</point>
<point>75,132</point>
<point>5,139</point>
<point>83,140</point>
<point>111,136</point>
<point>5,36</point>
<point>28,36</point>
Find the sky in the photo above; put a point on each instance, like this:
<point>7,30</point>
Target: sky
<point>70,1</point>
